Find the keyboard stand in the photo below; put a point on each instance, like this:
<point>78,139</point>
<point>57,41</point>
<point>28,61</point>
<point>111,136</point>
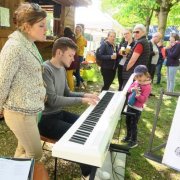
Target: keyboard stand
<point>93,173</point>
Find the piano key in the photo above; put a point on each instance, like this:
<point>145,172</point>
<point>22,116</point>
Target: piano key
<point>80,139</point>
<point>89,123</point>
<point>76,141</point>
<point>98,110</point>
<point>83,133</point>
<point>86,127</point>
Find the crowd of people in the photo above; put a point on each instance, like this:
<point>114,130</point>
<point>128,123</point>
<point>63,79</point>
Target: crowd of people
<point>134,50</point>
<point>33,92</point>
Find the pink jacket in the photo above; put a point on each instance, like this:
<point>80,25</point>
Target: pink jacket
<point>145,91</point>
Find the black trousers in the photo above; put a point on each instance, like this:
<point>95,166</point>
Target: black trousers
<point>131,123</point>
<point>108,77</point>
<point>152,69</point>
<point>120,79</point>
<point>56,125</point>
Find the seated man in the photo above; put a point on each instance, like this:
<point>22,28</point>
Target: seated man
<point>55,121</point>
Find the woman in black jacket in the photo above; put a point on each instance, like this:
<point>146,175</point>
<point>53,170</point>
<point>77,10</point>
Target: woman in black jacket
<point>108,55</point>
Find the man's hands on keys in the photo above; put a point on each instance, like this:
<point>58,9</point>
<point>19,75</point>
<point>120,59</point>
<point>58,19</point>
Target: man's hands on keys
<point>91,99</point>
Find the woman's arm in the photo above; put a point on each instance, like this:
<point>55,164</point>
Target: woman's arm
<point>9,63</point>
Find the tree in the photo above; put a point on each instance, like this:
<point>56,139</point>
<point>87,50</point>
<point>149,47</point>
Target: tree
<point>132,12</point>
<point>165,7</point>
<point>174,16</point>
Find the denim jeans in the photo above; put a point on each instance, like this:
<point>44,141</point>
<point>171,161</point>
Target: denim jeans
<point>158,72</point>
<point>55,125</point>
<point>171,74</point>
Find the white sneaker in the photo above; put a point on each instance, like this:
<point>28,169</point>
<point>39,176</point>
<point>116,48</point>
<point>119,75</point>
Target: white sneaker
<point>102,175</point>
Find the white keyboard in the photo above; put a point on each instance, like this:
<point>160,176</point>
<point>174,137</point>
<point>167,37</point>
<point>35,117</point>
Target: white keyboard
<point>88,139</point>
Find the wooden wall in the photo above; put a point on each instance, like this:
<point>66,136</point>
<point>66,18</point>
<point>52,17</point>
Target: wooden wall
<point>69,17</point>
<point>5,31</point>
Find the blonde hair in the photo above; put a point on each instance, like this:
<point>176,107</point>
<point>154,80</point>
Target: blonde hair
<point>30,13</point>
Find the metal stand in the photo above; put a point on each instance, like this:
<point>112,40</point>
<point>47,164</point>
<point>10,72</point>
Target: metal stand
<point>150,154</point>
<point>93,173</point>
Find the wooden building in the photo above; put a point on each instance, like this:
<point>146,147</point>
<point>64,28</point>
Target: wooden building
<point>63,15</point>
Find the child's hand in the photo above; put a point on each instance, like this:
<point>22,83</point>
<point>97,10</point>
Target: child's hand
<point>137,90</point>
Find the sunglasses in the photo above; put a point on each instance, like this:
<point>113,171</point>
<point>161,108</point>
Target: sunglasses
<point>137,32</point>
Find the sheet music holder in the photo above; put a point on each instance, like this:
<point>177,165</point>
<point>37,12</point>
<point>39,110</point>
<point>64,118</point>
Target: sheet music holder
<point>16,168</point>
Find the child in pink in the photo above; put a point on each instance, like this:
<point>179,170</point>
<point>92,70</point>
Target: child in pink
<point>139,93</point>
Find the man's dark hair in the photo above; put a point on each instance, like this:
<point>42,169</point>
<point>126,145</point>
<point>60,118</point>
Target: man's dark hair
<point>63,43</point>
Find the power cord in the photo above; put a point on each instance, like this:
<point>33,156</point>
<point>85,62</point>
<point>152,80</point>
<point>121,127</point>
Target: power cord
<point>116,148</point>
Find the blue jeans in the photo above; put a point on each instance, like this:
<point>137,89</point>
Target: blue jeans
<point>158,72</point>
<point>55,125</point>
<point>171,74</point>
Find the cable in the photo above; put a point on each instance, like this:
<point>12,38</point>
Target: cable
<point>114,171</point>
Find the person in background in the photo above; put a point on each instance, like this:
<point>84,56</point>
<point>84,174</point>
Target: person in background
<point>81,43</point>
<point>173,55</point>
<point>108,55</point>
<point>154,53</point>
<point>160,62</point>
<point>124,50</point>
<point>140,52</point>
<point>22,91</point>
<point>75,64</point>
<point>139,92</point>
<point>55,121</point>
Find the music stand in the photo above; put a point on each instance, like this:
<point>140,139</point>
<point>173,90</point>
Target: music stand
<point>150,154</point>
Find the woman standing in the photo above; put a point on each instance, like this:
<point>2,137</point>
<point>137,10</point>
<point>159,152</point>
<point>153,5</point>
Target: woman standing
<point>124,50</point>
<point>81,43</point>
<point>22,91</point>
<point>160,62</point>
<point>173,55</point>
<point>75,64</point>
<point>108,55</point>
<point>139,54</point>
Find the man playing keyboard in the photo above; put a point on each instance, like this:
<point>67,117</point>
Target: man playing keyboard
<point>55,121</point>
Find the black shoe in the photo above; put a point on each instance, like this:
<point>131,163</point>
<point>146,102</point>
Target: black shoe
<point>151,94</point>
<point>125,139</point>
<point>132,144</point>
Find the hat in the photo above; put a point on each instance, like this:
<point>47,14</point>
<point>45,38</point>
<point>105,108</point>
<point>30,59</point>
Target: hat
<point>140,69</point>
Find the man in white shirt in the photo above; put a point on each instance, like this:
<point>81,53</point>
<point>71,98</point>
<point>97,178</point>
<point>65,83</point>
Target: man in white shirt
<point>154,53</point>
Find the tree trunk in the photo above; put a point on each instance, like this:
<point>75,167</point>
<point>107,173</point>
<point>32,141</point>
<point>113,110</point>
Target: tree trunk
<point>162,19</point>
<point>148,20</point>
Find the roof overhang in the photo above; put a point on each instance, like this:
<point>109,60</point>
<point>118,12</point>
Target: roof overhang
<point>76,3</point>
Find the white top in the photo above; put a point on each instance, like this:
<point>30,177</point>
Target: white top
<point>156,56</point>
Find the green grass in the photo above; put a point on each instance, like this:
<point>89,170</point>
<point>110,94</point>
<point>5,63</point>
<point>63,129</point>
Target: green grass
<point>137,166</point>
